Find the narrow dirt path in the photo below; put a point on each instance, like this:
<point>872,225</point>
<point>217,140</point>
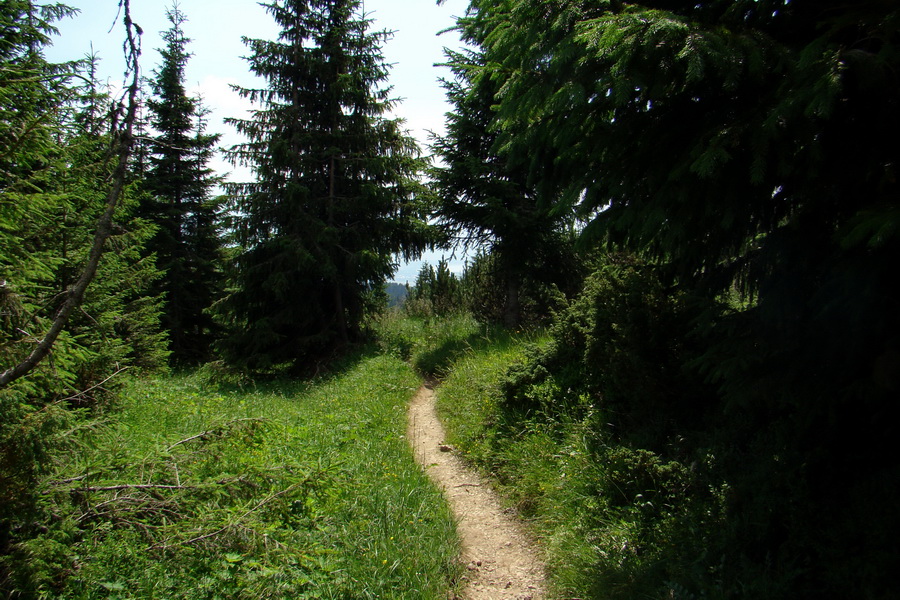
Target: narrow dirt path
<point>502,563</point>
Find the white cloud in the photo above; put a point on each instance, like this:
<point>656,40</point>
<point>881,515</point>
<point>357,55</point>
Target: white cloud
<point>224,102</point>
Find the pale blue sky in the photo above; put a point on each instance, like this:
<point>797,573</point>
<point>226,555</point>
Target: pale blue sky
<point>215,28</point>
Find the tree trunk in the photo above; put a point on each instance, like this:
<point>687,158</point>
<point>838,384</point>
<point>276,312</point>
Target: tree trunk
<point>340,312</point>
<point>512,311</point>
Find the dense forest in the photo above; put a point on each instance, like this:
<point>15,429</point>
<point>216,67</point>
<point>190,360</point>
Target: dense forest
<point>690,209</point>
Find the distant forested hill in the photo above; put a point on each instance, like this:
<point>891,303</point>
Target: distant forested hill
<point>396,292</point>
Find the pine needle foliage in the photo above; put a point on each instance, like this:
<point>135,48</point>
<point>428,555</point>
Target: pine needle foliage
<point>58,140</point>
<point>335,196</point>
<point>489,204</point>
<point>179,201</point>
<point>743,152</point>
<point>693,131</point>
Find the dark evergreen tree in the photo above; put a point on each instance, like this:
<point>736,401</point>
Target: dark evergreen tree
<point>750,146</point>
<point>180,202</point>
<point>436,291</point>
<point>33,93</point>
<point>335,196</point>
<point>487,203</point>
<point>63,183</point>
<point>120,318</point>
<point>72,315</point>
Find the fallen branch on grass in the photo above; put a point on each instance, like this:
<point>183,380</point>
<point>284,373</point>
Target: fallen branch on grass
<point>93,387</point>
<point>215,431</point>
<point>132,486</point>
<point>70,480</point>
<point>115,488</point>
<point>235,523</point>
<point>125,509</point>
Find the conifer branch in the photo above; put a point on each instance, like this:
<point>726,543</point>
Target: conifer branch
<point>124,140</point>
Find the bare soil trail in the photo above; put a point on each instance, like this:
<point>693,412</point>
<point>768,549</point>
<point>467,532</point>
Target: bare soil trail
<point>502,562</point>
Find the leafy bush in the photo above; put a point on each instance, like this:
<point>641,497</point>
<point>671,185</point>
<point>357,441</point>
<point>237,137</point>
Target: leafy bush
<point>620,350</point>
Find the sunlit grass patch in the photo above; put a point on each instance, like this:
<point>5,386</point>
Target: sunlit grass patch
<point>467,400</point>
<point>431,344</point>
<point>285,490</point>
<point>614,520</point>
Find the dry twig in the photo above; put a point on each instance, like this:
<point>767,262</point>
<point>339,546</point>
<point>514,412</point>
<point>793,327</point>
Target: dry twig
<point>215,431</point>
<point>235,523</point>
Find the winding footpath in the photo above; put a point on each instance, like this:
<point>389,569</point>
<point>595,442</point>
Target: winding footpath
<point>502,563</point>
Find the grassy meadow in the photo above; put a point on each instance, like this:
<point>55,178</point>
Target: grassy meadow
<point>281,490</point>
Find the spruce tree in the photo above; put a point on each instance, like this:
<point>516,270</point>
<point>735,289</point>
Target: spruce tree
<point>748,147</point>
<point>179,202</point>
<point>63,184</point>
<point>335,196</point>
<point>72,313</point>
<point>65,198</point>
<point>487,203</point>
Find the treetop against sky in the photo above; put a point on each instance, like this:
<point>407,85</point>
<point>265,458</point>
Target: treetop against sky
<point>216,28</point>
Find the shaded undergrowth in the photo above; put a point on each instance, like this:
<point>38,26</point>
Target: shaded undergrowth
<point>613,518</point>
<point>646,480</point>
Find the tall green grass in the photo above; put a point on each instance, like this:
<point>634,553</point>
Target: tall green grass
<point>614,520</point>
<point>283,490</point>
<point>541,468</point>
<point>431,344</point>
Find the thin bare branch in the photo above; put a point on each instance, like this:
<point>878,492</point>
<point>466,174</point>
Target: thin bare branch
<point>95,386</point>
<point>208,432</point>
<point>124,139</point>
<point>133,486</point>
<point>234,523</point>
